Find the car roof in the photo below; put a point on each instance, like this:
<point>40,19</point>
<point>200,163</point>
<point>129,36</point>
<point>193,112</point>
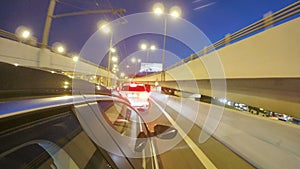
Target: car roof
<point>19,81</point>
<point>9,108</point>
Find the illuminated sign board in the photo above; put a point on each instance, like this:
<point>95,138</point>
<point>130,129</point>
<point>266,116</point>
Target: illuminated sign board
<point>151,67</point>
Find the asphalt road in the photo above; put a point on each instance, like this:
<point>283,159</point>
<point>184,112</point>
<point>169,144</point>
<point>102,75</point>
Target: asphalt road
<point>188,152</point>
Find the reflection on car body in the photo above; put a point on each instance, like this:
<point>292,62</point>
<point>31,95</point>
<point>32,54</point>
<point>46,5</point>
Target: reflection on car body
<point>56,130</point>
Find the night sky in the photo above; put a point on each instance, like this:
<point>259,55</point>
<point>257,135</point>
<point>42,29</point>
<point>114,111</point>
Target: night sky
<point>215,18</point>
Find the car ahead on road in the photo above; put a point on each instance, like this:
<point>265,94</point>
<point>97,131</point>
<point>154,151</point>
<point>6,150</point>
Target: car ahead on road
<point>137,95</point>
<point>283,117</point>
<point>60,127</point>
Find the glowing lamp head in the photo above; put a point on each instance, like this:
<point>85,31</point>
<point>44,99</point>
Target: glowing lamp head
<point>105,28</point>
<point>175,12</point>
<point>158,11</point>
<point>114,59</point>
<point>75,58</point>
<point>113,50</point>
<point>152,47</point>
<point>26,34</point>
<point>133,60</point>
<point>60,49</point>
<point>143,46</point>
<point>158,8</point>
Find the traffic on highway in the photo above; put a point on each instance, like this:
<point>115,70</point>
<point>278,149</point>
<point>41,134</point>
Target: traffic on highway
<point>69,127</point>
<point>52,128</point>
<point>108,84</point>
<point>137,95</point>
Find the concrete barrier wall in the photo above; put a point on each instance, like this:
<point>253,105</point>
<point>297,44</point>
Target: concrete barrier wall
<point>262,71</point>
<point>272,53</point>
<point>16,52</point>
<point>263,142</point>
<point>26,55</point>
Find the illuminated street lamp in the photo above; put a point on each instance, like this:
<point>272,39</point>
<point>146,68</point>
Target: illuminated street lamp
<point>158,8</point>
<point>133,59</point>
<point>114,58</point>
<point>175,12</point>
<point>122,74</point>
<point>75,58</point>
<point>113,50</point>
<point>105,28</point>
<point>23,32</point>
<point>115,68</point>
<point>144,47</point>
<point>152,47</point>
<point>26,34</point>
<point>59,47</point>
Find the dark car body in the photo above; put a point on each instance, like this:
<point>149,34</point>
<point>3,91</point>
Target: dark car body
<point>45,124</point>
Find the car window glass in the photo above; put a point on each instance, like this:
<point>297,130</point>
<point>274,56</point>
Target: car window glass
<point>122,118</point>
<point>31,155</point>
<point>50,142</point>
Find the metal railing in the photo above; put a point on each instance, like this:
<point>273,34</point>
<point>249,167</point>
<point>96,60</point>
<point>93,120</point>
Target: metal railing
<point>267,21</point>
<point>8,35</point>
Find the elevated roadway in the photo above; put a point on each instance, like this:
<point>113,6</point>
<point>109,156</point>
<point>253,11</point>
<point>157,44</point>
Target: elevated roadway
<point>235,140</point>
<point>30,55</point>
<point>262,70</point>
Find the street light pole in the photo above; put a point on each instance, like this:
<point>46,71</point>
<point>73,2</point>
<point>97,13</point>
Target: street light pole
<point>147,56</point>
<point>109,57</point>
<point>144,47</point>
<point>175,12</point>
<point>50,16</point>
<point>133,60</point>
<point>48,23</point>
<point>164,50</point>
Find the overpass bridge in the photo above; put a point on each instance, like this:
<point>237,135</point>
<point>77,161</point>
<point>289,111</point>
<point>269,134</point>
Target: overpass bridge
<point>30,54</point>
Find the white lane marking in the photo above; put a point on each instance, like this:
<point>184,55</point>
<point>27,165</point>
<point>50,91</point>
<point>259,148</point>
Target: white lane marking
<point>154,155</point>
<point>197,151</point>
<point>144,159</point>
